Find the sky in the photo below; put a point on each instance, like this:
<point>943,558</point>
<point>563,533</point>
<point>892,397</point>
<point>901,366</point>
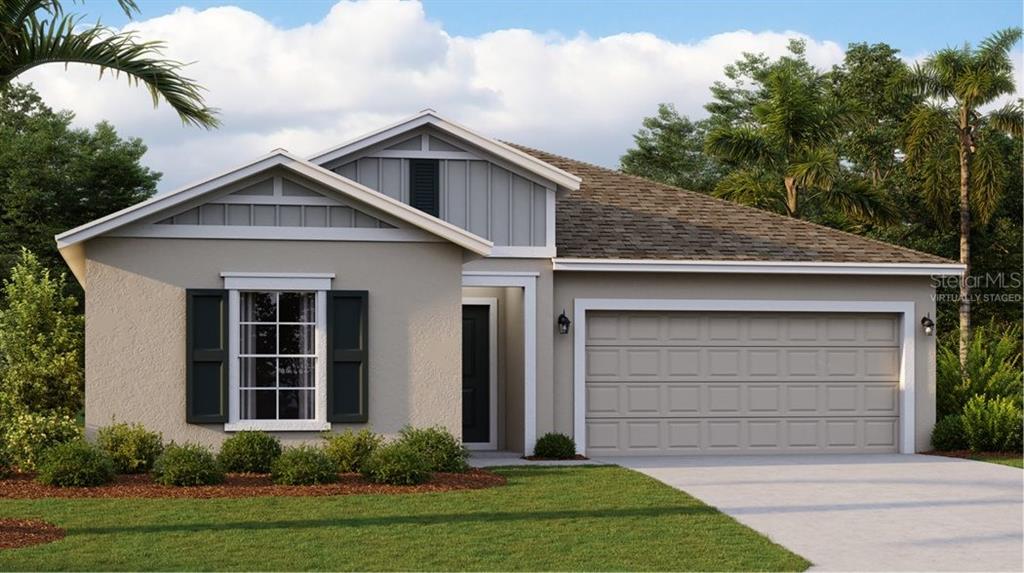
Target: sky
<point>571,77</point>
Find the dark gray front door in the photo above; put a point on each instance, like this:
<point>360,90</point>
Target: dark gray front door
<point>476,388</point>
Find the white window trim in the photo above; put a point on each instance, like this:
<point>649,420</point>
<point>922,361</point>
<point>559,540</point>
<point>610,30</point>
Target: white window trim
<point>492,358</point>
<point>906,310</point>
<point>318,282</point>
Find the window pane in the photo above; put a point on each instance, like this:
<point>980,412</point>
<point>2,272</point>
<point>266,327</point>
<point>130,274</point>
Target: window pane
<point>259,339</point>
<point>296,372</point>
<point>259,404</point>
<point>296,339</point>
<point>258,372</point>
<point>298,307</point>
<point>259,307</point>
<point>297,404</point>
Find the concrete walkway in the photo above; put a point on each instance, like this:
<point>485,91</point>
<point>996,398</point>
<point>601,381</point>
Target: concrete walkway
<point>866,512</point>
<point>487,459</point>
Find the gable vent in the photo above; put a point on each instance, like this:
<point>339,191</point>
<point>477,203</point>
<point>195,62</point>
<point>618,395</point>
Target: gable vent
<point>424,184</point>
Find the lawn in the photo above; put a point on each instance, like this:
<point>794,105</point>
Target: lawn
<point>1014,460</point>
<point>546,518</point>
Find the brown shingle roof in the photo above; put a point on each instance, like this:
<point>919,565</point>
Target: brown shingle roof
<point>620,216</point>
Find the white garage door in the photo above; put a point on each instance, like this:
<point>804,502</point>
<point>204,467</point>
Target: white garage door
<point>693,383</point>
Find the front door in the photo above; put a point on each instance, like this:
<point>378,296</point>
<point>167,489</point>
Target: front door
<point>476,388</point>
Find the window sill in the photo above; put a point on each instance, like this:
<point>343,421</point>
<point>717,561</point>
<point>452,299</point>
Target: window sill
<point>278,425</point>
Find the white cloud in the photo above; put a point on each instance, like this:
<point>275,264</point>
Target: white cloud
<point>368,64</point>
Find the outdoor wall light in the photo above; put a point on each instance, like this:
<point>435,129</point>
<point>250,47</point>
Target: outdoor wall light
<point>928,325</point>
<point>563,323</point>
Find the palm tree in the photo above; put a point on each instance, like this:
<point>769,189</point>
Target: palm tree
<point>950,136</point>
<point>37,32</point>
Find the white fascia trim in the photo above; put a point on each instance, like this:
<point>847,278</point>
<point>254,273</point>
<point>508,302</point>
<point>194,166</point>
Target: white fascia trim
<point>278,426</point>
<point>760,267</point>
<point>492,375</point>
<point>276,233</point>
<point>277,281</point>
<point>906,310</point>
<point>508,153</point>
<point>523,252</point>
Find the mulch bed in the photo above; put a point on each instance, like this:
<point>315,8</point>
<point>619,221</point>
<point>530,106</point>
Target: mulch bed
<point>540,459</point>
<point>25,532</point>
<point>968,454</point>
<point>22,486</point>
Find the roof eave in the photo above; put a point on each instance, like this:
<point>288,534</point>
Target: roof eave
<point>758,267</point>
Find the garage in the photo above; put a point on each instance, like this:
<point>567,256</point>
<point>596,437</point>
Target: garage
<point>685,383</point>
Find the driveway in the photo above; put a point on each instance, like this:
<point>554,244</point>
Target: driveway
<point>864,512</point>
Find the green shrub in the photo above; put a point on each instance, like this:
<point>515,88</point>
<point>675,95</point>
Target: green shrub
<point>131,447</point>
<point>398,463</point>
<point>993,367</point>
<point>441,451</point>
<point>303,465</point>
<point>349,450</point>
<point>249,451</point>
<point>187,464</point>
<point>75,464</point>
<point>993,424</point>
<point>555,446</point>
<point>28,435</point>
<point>948,434</point>
<point>6,461</point>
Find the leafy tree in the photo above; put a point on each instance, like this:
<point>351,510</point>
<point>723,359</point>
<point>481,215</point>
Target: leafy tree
<point>40,344</point>
<point>37,32</point>
<point>950,143</point>
<point>54,177</point>
<point>670,149</point>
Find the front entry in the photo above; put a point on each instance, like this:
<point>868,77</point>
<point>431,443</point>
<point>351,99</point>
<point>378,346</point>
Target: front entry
<point>476,368</point>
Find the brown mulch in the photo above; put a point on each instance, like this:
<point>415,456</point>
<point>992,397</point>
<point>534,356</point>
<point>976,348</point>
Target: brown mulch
<point>22,486</point>
<point>969,454</point>
<point>25,532</point>
<point>540,459</point>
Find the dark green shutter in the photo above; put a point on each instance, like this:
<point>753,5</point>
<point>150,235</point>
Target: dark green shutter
<point>206,353</point>
<point>347,361</point>
<point>424,185</point>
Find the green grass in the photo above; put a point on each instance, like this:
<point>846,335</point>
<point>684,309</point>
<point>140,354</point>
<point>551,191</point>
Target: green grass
<point>1014,460</point>
<point>546,518</point>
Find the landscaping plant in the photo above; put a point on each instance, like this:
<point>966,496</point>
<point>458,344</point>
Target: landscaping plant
<point>75,464</point>
<point>131,447</point>
<point>303,465</point>
<point>993,424</point>
<point>6,462</point>
<point>397,463</point>
<point>28,435</point>
<point>441,451</point>
<point>948,434</point>
<point>250,452</point>
<point>555,446</point>
<point>187,464</point>
<point>349,450</point>
<point>993,368</point>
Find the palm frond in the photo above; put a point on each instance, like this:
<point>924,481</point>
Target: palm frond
<point>856,199</point>
<point>753,187</point>
<point>993,50</point>
<point>1009,118</point>
<point>931,126</point>
<point>741,145</point>
<point>988,175</point>
<point>816,168</point>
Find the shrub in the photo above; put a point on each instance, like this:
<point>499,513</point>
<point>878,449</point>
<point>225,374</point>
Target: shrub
<point>249,451</point>
<point>28,435</point>
<point>75,464</point>
<point>555,446</point>
<point>993,367</point>
<point>441,451</point>
<point>398,463</point>
<point>6,462</point>
<point>187,464</point>
<point>993,424</point>
<point>131,447</point>
<point>349,450</point>
<point>303,465</point>
<point>948,434</point>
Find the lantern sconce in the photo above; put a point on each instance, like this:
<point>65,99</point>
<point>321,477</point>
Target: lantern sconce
<point>563,323</point>
<point>928,325</point>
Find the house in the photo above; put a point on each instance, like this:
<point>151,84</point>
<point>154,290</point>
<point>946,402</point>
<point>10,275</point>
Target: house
<point>425,274</point>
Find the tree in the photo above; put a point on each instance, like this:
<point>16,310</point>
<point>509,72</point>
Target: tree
<point>40,344</point>
<point>950,141</point>
<point>670,149</point>
<point>54,177</point>
<point>37,32</point>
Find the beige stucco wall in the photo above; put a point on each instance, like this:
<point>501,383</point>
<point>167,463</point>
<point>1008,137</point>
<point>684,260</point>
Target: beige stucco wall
<point>569,286</point>
<point>135,325</point>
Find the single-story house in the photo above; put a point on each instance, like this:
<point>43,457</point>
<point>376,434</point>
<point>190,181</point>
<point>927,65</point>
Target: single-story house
<point>425,274</point>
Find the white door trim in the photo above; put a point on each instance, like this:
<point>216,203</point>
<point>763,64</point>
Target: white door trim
<point>528,282</point>
<point>492,359</point>
<point>905,309</point>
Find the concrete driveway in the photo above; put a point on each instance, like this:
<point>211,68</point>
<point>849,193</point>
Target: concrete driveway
<point>864,512</point>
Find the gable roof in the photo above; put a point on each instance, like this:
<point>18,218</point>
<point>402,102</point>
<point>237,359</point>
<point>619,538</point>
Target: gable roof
<point>624,217</point>
<point>429,117</point>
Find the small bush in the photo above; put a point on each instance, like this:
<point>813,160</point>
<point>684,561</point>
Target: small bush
<point>249,451</point>
<point>349,450</point>
<point>131,447</point>
<point>303,465</point>
<point>442,451</point>
<point>993,367</point>
<point>28,435</point>
<point>398,463</point>
<point>555,446</point>
<point>948,434</point>
<point>993,424</point>
<point>6,463</point>
<point>187,464</point>
<point>75,464</point>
